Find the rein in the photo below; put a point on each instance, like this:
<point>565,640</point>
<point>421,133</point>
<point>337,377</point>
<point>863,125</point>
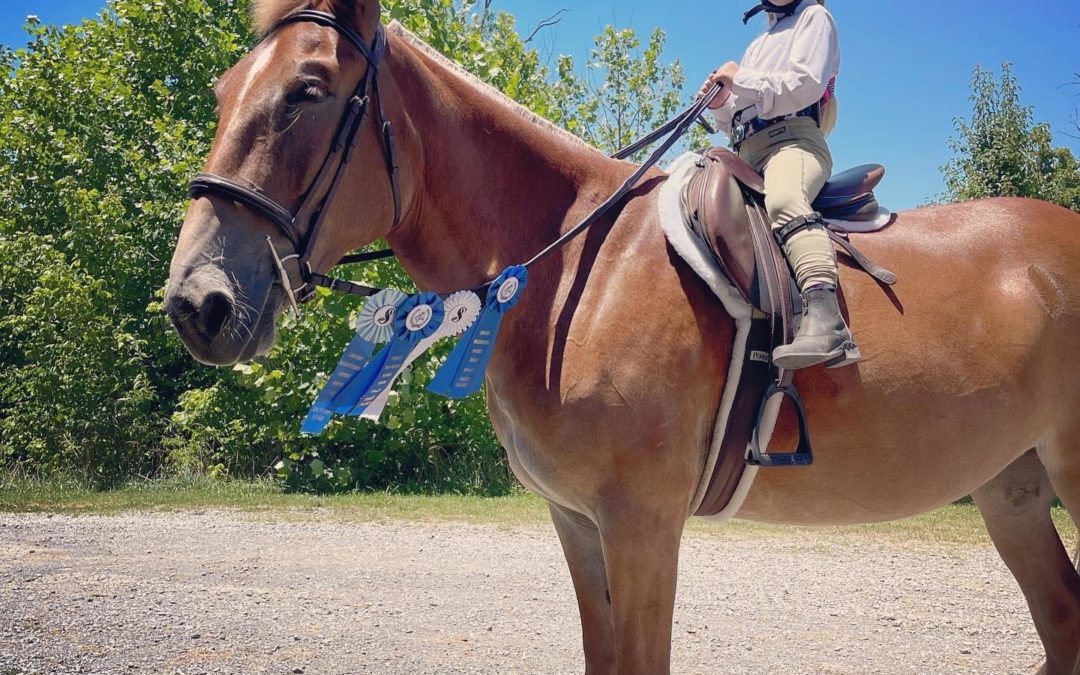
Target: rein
<point>673,130</point>
<point>314,207</point>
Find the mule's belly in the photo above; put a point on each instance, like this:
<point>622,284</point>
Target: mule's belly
<point>886,455</point>
<point>857,484</point>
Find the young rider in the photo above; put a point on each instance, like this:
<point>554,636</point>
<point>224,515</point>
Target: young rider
<point>778,105</point>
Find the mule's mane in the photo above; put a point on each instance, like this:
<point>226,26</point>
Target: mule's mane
<point>268,13</point>
<point>496,96</point>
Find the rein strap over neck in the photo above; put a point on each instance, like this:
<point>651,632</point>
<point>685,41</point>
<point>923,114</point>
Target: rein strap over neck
<point>673,130</point>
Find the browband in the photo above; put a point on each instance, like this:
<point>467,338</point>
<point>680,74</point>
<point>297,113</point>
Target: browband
<point>373,54</point>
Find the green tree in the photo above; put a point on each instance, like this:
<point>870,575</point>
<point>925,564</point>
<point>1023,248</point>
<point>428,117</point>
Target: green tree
<point>1001,152</point>
<point>100,125</point>
<point>626,91</point>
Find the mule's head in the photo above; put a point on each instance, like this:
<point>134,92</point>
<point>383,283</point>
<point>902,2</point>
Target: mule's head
<point>279,109</point>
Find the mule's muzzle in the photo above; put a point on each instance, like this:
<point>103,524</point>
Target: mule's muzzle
<point>205,320</point>
<point>208,320</point>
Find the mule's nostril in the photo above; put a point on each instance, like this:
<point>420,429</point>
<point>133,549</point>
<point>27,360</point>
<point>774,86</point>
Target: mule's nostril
<point>179,310</point>
<point>216,310</point>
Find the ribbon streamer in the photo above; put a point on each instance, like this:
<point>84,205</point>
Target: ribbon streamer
<point>418,318</point>
<point>463,373</point>
<point>374,326</point>
<point>462,310</point>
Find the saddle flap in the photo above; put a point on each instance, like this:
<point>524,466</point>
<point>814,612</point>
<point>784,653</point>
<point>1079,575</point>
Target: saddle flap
<point>716,210</point>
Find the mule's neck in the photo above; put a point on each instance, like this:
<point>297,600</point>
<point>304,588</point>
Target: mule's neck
<point>495,187</point>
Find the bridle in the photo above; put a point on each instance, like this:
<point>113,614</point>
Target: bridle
<point>206,184</point>
<point>316,200</point>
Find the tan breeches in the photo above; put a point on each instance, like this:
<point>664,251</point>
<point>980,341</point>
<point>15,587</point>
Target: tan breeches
<point>795,160</point>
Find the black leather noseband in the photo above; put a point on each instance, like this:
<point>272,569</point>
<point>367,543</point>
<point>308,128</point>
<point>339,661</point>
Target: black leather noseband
<point>313,206</point>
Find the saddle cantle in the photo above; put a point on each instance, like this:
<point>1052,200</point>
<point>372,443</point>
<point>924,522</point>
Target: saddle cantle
<point>850,195</point>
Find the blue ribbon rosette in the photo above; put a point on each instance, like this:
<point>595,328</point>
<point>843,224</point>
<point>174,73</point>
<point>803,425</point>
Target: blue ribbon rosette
<point>463,373</point>
<point>418,318</point>
<point>462,310</point>
<point>374,326</point>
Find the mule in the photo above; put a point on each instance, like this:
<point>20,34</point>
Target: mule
<point>605,384</point>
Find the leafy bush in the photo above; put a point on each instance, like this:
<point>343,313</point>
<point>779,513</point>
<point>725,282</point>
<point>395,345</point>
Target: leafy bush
<point>75,393</point>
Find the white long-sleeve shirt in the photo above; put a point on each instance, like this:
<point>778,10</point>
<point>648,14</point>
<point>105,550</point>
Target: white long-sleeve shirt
<point>786,69</point>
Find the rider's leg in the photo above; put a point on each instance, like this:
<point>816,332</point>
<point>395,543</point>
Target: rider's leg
<point>795,161</point>
<point>794,175</point>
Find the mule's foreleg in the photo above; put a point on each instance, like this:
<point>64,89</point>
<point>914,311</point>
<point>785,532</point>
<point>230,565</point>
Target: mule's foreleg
<point>641,553</point>
<point>1016,507</point>
<point>585,556</point>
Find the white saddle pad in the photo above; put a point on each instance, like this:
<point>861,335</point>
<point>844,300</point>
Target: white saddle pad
<point>881,221</point>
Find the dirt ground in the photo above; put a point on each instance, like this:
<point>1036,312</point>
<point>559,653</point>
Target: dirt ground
<point>230,592</point>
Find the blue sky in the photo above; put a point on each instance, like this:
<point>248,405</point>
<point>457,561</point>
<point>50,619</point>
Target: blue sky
<point>906,65</point>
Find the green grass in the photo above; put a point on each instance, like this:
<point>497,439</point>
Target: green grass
<point>957,524</point>
<point>268,498</point>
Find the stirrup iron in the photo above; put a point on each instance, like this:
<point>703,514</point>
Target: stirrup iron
<point>803,455</point>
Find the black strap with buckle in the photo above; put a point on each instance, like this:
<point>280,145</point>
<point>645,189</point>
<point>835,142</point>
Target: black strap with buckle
<point>782,12</point>
<point>740,131</point>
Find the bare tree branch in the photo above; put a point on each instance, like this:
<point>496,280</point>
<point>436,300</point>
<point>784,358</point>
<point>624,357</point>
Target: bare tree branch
<point>1076,111</point>
<point>552,20</point>
<point>1076,123</point>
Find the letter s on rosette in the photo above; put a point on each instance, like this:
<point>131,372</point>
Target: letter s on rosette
<point>463,373</point>
<point>374,326</point>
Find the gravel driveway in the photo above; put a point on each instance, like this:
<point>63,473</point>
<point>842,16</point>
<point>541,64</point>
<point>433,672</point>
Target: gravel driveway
<point>231,592</point>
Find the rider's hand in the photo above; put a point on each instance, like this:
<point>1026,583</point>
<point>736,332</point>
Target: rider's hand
<point>724,76</point>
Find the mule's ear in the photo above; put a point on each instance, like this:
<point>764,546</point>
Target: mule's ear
<point>365,16</point>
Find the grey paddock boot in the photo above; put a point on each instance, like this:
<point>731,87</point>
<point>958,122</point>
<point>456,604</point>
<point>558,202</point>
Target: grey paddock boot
<point>823,336</point>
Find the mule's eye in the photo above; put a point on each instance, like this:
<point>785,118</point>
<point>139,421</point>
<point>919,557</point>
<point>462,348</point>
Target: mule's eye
<point>306,91</point>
